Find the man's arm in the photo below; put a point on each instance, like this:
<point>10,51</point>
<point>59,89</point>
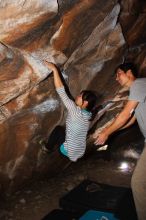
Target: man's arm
<point>57,80</point>
<point>121,120</point>
<point>129,123</point>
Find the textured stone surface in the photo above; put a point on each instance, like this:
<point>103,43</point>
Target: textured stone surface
<point>19,17</point>
<point>86,39</point>
<point>87,61</point>
<point>133,21</point>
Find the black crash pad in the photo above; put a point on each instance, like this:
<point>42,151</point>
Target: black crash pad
<point>102,197</point>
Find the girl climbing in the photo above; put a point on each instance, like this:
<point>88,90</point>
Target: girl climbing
<point>79,114</point>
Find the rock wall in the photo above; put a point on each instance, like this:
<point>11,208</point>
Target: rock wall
<point>86,39</point>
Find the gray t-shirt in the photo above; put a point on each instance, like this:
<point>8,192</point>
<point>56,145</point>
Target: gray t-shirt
<point>138,93</point>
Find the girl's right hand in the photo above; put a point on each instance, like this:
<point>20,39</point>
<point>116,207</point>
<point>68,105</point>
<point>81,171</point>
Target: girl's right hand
<point>50,65</point>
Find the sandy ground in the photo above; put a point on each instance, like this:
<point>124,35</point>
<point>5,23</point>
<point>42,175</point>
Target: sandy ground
<point>40,197</point>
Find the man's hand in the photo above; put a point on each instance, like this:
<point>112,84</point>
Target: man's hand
<point>100,137</point>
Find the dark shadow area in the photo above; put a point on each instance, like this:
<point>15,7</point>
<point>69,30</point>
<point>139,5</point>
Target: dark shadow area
<point>125,136</point>
<point>125,140</point>
<point>56,138</point>
<point>60,214</point>
<point>123,144</point>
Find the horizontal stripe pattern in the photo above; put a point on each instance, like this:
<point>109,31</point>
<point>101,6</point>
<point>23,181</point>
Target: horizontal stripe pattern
<point>77,125</point>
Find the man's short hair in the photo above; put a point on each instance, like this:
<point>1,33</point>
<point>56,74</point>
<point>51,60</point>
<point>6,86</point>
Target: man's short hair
<point>128,66</point>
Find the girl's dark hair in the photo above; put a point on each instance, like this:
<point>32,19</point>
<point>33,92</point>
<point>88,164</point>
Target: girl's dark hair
<point>91,97</point>
<point>128,66</point>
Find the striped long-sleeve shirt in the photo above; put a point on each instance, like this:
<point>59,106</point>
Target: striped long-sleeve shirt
<point>77,125</point>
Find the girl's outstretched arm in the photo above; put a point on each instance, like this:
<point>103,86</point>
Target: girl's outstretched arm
<point>57,80</point>
<point>69,104</point>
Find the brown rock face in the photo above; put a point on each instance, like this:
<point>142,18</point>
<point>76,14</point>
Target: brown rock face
<point>86,39</point>
<point>133,21</point>
<point>21,17</point>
